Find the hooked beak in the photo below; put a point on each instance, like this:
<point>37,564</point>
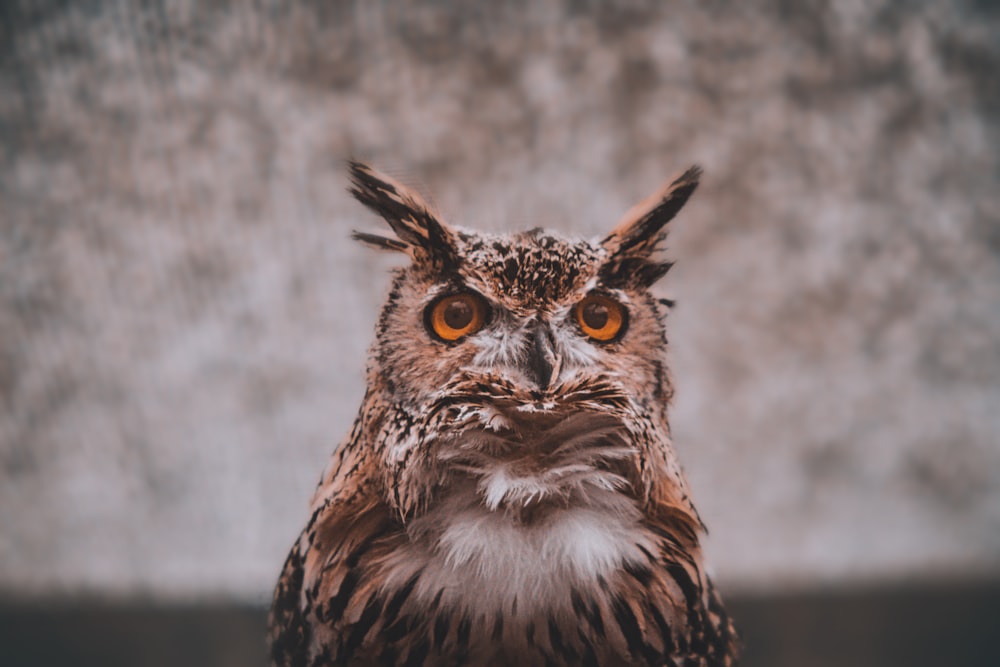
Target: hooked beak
<point>542,361</point>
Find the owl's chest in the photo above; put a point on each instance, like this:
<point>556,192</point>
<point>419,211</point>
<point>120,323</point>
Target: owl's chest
<point>488,562</point>
<point>464,585</point>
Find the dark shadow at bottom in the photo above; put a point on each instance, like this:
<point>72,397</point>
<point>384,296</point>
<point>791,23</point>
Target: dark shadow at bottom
<point>953,626</point>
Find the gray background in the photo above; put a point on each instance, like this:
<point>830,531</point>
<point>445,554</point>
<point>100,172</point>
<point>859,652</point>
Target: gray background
<point>183,321</point>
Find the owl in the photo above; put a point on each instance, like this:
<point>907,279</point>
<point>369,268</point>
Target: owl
<point>509,493</point>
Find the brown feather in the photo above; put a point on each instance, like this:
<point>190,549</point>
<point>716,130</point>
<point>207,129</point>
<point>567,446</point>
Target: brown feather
<point>424,236</point>
<point>637,236</point>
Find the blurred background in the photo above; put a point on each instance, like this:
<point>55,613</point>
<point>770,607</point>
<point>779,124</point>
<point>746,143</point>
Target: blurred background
<point>184,321</point>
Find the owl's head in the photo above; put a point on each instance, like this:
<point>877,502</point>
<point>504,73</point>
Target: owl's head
<point>529,354</point>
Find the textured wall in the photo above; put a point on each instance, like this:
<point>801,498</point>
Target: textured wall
<point>183,321</point>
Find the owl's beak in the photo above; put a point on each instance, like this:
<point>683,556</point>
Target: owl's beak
<point>542,361</point>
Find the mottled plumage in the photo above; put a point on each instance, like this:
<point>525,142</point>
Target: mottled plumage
<point>508,493</point>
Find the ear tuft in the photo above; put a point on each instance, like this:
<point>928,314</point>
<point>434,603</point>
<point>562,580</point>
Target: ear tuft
<point>634,240</point>
<point>419,232</point>
<point>379,242</point>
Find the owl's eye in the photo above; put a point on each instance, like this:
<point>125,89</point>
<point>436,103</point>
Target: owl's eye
<point>601,318</point>
<point>452,317</point>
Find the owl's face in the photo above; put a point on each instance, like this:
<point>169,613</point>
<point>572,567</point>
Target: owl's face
<point>524,366</point>
<point>529,313</point>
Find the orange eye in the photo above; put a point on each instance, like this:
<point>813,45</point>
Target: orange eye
<point>601,318</point>
<point>457,315</point>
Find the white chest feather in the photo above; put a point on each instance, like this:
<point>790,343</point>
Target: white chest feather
<point>483,560</point>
